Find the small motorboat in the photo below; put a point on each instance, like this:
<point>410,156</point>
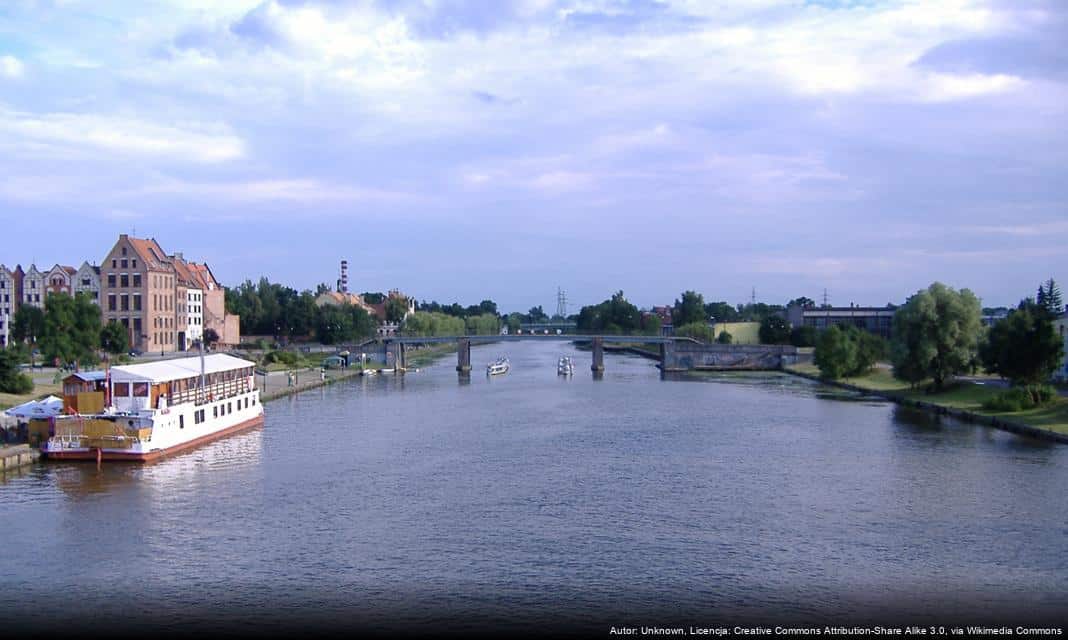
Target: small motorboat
<point>498,367</point>
<point>565,366</point>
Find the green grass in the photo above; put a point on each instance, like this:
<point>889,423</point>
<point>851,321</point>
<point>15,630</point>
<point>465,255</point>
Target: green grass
<point>966,396</point>
<point>40,390</point>
<point>741,332</point>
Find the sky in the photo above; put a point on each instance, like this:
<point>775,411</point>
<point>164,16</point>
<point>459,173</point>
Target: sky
<point>462,150</point>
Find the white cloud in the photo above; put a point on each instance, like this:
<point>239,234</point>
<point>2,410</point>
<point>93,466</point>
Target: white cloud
<point>11,67</point>
<point>942,87</point>
<point>275,190</point>
<point>186,142</point>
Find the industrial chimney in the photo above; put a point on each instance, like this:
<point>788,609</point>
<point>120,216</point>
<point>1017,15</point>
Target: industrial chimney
<point>343,287</point>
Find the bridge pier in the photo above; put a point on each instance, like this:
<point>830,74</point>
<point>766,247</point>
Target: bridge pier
<point>598,355</point>
<point>463,356</point>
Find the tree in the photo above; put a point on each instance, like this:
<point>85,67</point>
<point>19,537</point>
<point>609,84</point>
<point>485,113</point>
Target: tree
<point>651,324</point>
<point>721,311</point>
<point>724,337</point>
<point>536,314</point>
<point>11,379</point>
<point>847,351</point>
<point>774,330</point>
<point>803,302</point>
<point>1023,347</point>
<point>836,353</point>
<point>27,324</point>
<point>485,324</point>
<point>803,336</point>
<point>697,330</point>
<point>114,338</point>
<point>616,315</point>
<point>396,308</point>
<point>1049,298</point>
<point>935,334</point>
<point>515,319</point>
<point>211,336</point>
<point>71,328</point>
<point>689,309</point>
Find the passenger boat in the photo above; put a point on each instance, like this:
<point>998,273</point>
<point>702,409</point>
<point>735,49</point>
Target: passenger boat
<point>159,408</point>
<point>565,366</point>
<point>498,367</point>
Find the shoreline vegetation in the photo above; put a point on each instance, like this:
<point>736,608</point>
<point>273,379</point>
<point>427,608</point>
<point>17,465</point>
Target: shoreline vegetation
<point>963,400</point>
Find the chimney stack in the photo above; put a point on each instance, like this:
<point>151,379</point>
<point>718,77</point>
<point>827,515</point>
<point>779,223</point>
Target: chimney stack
<point>343,287</point>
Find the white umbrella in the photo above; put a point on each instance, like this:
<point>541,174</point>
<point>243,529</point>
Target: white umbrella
<point>44,408</point>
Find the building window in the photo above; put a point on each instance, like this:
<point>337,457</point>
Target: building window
<point>136,302</point>
<point>124,263</point>
<point>124,280</point>
<point>137,326</point>
<point>137,280</point>
<point>124,303</point>
<point>114,264</point>
<point>133,263</point>
<point>111,280</point>
<point>124,251</point>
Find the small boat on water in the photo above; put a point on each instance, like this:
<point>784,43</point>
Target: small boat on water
<point>497,368</point>
<point>565,366</point>
<point>369,372</point>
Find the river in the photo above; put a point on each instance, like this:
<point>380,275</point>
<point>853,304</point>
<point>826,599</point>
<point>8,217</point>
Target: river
<point>530,500</point>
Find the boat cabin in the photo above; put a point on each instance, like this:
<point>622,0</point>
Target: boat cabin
<point>84,392</point>
<point>158,385</point>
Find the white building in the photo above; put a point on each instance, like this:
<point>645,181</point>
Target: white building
<point>8,303</point>
<point>60,279</point>
<point>1060,325</point>
<point>195,312</point>
<point>87,280</point>
<point>33,287</point>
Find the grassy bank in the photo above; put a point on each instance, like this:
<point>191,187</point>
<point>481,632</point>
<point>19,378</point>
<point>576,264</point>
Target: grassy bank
<point>962,396</point>
<point>426,355</point>
<point>8,400</point>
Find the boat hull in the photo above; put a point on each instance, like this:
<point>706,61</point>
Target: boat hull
<point>155,454</point>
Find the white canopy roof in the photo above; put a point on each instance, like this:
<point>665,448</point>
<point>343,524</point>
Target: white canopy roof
<point>44,408</point>
<point>178,369</point>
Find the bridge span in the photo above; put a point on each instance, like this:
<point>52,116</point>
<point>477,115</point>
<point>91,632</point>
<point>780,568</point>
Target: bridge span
<point>676,353</point>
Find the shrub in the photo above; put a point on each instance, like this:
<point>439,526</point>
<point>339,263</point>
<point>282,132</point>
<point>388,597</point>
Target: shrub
<point>285,357</point>
<point>1021,398</point>
<point>698,330</point>
<point>724,338</point>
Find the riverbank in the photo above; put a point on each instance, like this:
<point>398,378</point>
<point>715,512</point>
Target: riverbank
<point>963,400</point>
<point>312,380</point>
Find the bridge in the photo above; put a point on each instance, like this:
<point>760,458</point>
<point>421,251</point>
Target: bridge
<point>676,353</point>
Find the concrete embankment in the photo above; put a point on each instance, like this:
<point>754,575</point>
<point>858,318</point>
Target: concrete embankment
<point>312,380</point>
<point>17,456</point>
<point>960,414</point>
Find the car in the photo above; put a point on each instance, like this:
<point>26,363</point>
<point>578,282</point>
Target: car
<point>135,352</point>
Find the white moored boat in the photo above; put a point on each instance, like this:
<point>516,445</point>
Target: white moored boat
<point>160,408</point>
<point>498,367</point>
<point>565,366</point>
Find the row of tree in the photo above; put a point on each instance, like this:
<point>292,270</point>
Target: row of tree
<point>938,334</point>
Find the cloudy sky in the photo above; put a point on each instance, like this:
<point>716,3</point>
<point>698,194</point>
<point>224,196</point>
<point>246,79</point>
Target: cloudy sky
<point>464,149</point>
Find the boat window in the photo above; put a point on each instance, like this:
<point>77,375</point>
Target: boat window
<point>181,422</point>
<point>122,389</point>
<point>215,412</point>
<point>140,389</point>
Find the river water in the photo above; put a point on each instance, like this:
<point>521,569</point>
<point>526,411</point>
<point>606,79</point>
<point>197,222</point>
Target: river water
<point>531,500</point>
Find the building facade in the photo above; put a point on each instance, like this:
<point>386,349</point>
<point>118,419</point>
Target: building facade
<point>1060,325</point>
<point>33,288</point>
<point>87,280</point>
<point>137,290</point>
<point>60,279</point>
<point>877,320</point>
<point>9,301</point>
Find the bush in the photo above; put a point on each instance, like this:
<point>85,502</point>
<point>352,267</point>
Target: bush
<point>285,357</point>
<point>19,384</point>
<point>1021,398</point>
<point>725,338</point>
<point>697,330</point>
